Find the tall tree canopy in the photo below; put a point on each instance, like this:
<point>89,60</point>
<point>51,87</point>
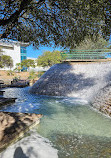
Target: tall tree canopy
<point>27,63</point>
<point>63,22</point>
<point>49,58</point>
<point>87,43</point>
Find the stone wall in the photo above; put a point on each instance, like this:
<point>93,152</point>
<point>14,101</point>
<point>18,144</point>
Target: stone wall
<point>102,101</point>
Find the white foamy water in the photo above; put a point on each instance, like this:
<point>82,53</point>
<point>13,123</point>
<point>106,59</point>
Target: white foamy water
<point>33,146</point>
<point>78,80</point>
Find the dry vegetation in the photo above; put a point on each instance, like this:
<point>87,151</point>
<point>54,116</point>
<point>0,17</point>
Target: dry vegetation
<point>8,78</point>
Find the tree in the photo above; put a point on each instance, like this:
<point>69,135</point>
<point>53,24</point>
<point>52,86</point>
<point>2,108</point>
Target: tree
<point>1,66</point>
<point>18,67</point>
<point>92,46</point>
<point>27,63</point>
<point>10,73</point>
<point>49,58</point>
<point>6,61</point>
<point>32,75</point>
<point>88,43</point>
<point>62,22</point>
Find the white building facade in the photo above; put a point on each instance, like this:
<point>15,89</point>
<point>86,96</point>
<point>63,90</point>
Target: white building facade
<point>16,50</point>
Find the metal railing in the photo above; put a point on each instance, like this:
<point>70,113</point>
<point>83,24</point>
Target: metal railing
<point>85,55</point>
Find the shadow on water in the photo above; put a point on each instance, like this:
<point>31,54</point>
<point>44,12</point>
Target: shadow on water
<point>19,153</point>
<point>59,80</point>
<point>28,103</point>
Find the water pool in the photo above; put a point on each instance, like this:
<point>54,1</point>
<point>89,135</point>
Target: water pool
<point>75,129</point>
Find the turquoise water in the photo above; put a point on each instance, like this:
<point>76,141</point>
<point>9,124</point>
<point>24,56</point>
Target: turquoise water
<point>73,127</point>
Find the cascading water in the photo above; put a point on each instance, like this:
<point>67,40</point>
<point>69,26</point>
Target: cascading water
<point>83,80</point>
<point>73,127</point>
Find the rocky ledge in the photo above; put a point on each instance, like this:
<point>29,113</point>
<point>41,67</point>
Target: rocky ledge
<point>102,101</point>
<point>5,101</point>
<point>14,125</point>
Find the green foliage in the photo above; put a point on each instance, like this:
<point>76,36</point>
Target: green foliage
<point>1,50</point>
<point>6,61</point>
<point>40,73</point>
<point>1,64</point>
<point>63,22</point>
<point>89,49</point>
<point>10,73</point>
<point>24,65</point>
<point>49,58</point>
<point>32,75</point>
<point>17,78</point>
<point>18,67</point>
<point>27,63</point>
<point>88,43</point>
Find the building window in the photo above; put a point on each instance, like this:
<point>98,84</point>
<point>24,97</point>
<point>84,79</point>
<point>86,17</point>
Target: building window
<point>23,58</point>
<point>23,50</point>
<point>23,53</point>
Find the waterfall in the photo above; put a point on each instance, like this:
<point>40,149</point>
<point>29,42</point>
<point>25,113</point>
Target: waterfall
<point>80,80</point>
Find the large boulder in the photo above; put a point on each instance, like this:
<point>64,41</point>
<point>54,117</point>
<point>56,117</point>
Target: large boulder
<point>82,80</point>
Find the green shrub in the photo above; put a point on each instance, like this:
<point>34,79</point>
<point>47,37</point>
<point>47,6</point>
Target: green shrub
<point>40,73</point>
<point>10,73</point>
<point>32,75</point>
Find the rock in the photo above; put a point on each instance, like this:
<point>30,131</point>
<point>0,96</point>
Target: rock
<point>1,135</point>
<point>5,122</point>
<point>13,124</point>
<point>102,101</point>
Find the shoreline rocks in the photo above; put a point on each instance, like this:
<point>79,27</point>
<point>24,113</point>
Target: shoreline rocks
<point>19,83</point>
<point>14,125</point>
<point>6,101</point>
<point>102,100</point>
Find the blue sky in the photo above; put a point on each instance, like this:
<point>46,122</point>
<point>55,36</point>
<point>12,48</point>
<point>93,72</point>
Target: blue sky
<point>34,53</point>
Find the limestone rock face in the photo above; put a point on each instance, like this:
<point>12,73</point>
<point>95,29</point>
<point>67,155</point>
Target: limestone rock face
<point>5,122</point>
<point>81,80</point>
<point>13,124</point>
<point>102,101</point>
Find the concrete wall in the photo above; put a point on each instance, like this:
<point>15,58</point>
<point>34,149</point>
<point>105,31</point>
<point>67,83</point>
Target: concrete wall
<point>14,53</point>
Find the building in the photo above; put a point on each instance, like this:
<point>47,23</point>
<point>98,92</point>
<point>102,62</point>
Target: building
<point>15,49</point>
